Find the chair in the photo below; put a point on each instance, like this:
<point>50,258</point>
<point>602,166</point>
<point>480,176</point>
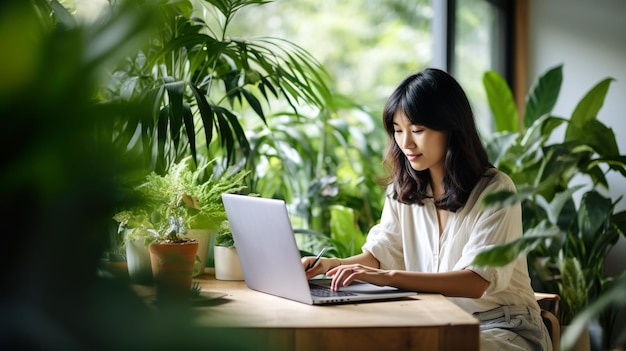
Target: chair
<point>549,304</point>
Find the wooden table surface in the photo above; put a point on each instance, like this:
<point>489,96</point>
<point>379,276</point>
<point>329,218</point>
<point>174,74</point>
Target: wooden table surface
<point>422,322</point>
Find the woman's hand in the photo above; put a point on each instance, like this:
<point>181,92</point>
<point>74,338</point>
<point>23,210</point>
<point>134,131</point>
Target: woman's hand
<point>321,267</point>
<point>346,274</point>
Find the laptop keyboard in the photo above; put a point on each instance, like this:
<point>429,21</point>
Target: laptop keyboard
<point>323,291</point>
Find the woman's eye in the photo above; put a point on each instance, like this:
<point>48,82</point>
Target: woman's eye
<point>397,131</point>
<point>418,131</point>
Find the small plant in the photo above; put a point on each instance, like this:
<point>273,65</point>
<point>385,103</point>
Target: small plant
<point>180,196</point>
<point>174,233</point>
<point>225,236</point>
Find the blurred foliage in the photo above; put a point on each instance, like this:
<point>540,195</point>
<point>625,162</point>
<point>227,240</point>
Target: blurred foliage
<point>569,227</point>
<point>60,184</point>
<point>260,104</point>
<point>368,46</point>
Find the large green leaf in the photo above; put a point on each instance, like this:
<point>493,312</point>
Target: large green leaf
<point>501,102</point>
<point>543,95</point>
<point>504,254</point>
<point>587,109</point>
<point>594,211</point>
<point>175,90</point>
<point>598,136</point>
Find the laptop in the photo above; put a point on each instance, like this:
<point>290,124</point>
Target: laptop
<point>270,259</point>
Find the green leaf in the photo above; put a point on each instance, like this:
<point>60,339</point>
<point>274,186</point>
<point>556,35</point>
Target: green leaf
<point>541,130</point>
<point>500,146</point>
<point>507,198</point>
<point>542,98</point>
<point>587,109</point>
<point>254,103</point>
<point>572,286</point>
<point>594,210</point>
<point>501,102</point>
<point>557,203</point>
<point>501,255</point>
<point>614,297</point>
<point>190,129</point>
<point>206,113</point>
<point>595,134</point>
<point>616,163</point>
<point>175,94</point>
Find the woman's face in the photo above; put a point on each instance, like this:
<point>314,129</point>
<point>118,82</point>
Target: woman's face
<point>424,148</point>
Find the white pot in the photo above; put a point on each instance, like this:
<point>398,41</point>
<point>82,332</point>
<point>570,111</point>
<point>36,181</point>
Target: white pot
<point>203,237</point>
<point>138,260</point>
<point>227,266</point>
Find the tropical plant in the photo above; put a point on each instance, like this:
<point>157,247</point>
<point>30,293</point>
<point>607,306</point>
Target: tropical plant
<point>322,166</point>
<point>58,167</point>
<point>566,234</point>
<point>186,197</point>
<point>218,83</point>
<point>194,78</point>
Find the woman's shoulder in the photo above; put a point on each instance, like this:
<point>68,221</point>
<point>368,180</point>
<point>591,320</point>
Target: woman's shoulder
<point>496,180</point>
<point>493,180</point>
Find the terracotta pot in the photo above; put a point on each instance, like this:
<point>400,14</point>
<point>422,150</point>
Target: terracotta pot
<point>172,268</point>
<point>203,237</point>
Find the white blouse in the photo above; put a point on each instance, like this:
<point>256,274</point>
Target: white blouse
<point>407,238</point>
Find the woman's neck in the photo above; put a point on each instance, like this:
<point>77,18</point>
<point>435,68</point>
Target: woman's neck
<point>436,183</point>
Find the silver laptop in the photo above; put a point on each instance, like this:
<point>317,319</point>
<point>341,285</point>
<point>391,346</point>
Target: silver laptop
<point>270,259</point>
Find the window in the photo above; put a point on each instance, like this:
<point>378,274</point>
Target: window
<point>368,46</point>
<point>480,42</point>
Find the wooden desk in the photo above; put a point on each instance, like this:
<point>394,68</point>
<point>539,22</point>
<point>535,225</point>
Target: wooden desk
<point>425,322</point>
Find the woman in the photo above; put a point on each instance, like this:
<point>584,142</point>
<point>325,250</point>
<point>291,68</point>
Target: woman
<point>433,224</point>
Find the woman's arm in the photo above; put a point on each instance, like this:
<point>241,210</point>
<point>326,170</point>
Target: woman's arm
<point>463,283</point>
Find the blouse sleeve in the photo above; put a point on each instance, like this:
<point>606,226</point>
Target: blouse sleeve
<point>492,226</point>
<point>384,240</point>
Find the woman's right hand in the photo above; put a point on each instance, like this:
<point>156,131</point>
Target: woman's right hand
<point>321,267</point>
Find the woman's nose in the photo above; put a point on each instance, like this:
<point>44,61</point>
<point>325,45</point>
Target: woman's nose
<point>407,141</point>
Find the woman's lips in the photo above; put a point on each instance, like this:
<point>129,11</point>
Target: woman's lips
<point>413,157</point>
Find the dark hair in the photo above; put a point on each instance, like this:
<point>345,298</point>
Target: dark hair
<point>433,99</point>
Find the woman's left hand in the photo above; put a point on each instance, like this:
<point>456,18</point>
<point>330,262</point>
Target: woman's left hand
<point>346,274</point>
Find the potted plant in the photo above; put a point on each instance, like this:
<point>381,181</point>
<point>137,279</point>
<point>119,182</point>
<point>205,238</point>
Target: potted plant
<point>197,192</point>
<point>172,257</point>
<point>227,265</point>
<point>137,229</point>
<point>568,228</point>
<point>193,194</point>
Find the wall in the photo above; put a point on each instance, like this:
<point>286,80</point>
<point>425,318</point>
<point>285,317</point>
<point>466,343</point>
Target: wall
<point>589,38</point>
